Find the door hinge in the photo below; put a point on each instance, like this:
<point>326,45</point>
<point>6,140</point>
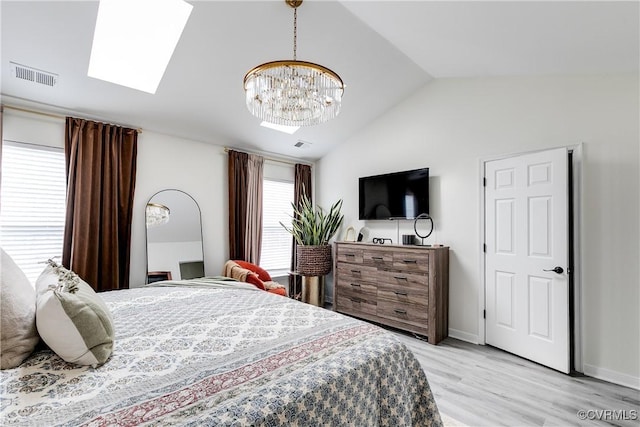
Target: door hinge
<point>484,248</point>
<point>484,181</point>
<point>484,314</point>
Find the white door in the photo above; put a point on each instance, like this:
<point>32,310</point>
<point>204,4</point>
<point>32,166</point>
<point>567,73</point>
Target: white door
<point>526,226</point>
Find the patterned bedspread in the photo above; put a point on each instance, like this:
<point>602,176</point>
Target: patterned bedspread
<point>222,356</point>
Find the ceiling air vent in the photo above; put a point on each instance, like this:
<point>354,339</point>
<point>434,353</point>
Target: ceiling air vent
<point>31,74</point>
<point>302,144</point>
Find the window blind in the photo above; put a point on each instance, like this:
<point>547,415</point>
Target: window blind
<point>277,197</point>
<point>32,215</point>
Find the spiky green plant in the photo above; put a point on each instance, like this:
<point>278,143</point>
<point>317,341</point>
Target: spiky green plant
<point>311,226</point>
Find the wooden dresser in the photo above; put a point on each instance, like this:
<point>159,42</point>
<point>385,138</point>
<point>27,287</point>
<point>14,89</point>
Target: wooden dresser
<point>406,287</point>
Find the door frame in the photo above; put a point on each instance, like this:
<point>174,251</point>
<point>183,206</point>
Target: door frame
<point>576,155</point>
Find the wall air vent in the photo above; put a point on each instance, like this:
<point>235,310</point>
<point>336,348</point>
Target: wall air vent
<point>34,75</point>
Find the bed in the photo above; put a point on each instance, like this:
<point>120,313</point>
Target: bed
<point>223,353</point>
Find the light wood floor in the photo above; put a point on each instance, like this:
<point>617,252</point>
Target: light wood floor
<point>484,386</point>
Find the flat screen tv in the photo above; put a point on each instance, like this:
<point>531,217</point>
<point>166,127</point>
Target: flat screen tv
<point>400,195</point>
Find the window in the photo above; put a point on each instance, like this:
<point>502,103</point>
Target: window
<point>277,197</point>
<point>33,205</point>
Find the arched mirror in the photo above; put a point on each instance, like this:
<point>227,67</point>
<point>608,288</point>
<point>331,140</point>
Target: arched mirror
<point>174,237</point>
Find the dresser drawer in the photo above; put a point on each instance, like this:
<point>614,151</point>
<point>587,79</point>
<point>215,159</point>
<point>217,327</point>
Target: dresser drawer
<point>411,314</point>
<point>347,303</point>
<point>411,261</point>
<point>349,254</point>
<point>378,258</point>
<point>348,271</point>
<point>357,288</point>
<point>403,280</point>
<point>404,295</point>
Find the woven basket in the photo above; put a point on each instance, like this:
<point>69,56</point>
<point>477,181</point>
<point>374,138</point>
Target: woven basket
<point>313,260</point>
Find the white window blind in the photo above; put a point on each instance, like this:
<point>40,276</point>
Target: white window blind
<point>33,197</point>
<point>277,197</point>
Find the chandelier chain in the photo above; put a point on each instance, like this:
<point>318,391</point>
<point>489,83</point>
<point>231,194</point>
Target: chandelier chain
<point>295,32</point>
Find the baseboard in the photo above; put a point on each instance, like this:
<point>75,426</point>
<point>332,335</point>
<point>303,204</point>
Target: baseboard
<point>589,370</point>
<point>612,376</point>
<point>463,336</point>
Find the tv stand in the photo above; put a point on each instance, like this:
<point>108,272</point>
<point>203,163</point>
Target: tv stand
<point>406,287</point>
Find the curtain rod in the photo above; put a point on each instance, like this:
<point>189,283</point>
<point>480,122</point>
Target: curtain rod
<point>52,115</point>
<point>271,159</point>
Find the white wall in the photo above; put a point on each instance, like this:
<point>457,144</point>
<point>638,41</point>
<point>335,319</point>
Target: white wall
<point>164,162</point>
<point>451,124</point>
<point>167,256</point>
<point>199,169</point>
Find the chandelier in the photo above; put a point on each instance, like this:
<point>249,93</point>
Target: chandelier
<point>292,92</point>
<point>157,214</point>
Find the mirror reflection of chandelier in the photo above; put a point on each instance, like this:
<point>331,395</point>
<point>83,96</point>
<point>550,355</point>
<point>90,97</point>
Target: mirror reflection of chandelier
<point>157,214</point>
<point>292,92</point>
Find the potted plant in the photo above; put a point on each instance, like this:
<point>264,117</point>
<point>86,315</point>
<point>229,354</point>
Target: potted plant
<point>312,229</point>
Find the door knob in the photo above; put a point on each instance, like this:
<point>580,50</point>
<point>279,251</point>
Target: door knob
<point>558,270</point>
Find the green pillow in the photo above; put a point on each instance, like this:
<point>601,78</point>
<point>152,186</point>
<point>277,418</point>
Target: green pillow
<point>71,318</point>
<point>18,335</point>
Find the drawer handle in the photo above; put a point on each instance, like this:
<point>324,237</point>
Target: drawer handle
<point>356,271</point>
<point>356,300</point>
<point>377,258</point>
<point>351,255</point>
<point>400,311</point>
<point>410,261</point>
<point>404,294</point>
<point>399,277</point>
<point>357,285</point>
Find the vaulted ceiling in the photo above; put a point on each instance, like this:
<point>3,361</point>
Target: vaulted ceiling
<point>383,50</point>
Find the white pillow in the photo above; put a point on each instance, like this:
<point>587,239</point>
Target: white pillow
<point>71,318</point>
<point>18,335</point>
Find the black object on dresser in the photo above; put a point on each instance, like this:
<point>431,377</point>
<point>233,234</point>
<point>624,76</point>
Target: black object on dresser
<point>406,287</point>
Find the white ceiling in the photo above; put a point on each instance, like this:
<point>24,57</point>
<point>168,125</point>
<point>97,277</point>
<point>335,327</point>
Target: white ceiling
<point>383,50</point>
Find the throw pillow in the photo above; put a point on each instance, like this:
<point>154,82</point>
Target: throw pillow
<point>255,281</point>
<point>261,272</point>
<point>71,318</point>
<point>18,334</point>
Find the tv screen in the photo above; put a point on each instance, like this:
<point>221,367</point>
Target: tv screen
<point>400,195</point>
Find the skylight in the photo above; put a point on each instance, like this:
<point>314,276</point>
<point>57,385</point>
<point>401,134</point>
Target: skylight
<point>134,40</point>
<point>286,129</point>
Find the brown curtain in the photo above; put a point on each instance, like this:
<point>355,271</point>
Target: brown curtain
<point>101,171</point>
<point>253,233</point>
<point>301,186</point>
<point>238,164</point>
